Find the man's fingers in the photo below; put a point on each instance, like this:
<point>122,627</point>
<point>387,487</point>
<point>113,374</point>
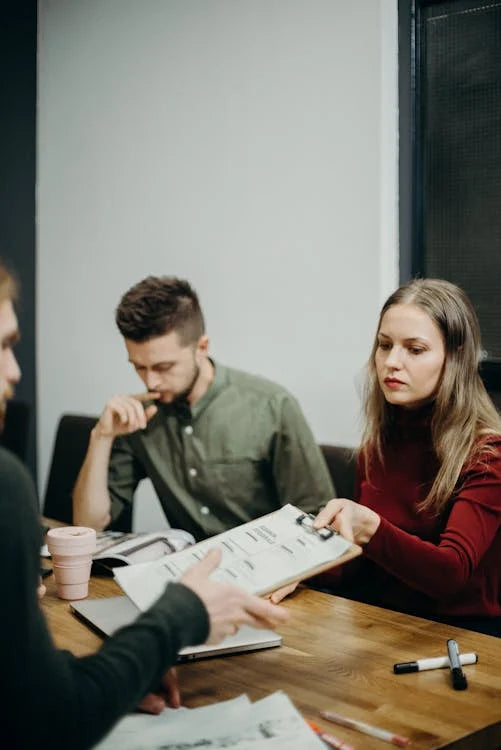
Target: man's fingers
<point>262,609</point>
<point>120,411</point>
<point>139,415</point>
<point>41,589</point>
<point>148,396</point>
<point>171,686</point>
<point>150,411</point>
<point>207,564</point>
<point>152,704</point>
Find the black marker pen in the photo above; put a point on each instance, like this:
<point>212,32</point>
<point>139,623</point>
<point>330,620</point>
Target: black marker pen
<point>458,677</point>
<point>434,662</point>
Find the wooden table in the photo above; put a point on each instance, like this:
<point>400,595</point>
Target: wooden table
<point>339,655</point>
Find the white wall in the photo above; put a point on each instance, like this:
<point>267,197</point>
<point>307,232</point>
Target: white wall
<point>247,145</point>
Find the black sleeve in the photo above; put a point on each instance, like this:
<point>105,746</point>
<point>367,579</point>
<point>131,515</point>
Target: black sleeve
<point>48,697</point>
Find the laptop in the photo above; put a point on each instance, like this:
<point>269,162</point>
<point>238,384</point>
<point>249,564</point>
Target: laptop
<point>109,614</point>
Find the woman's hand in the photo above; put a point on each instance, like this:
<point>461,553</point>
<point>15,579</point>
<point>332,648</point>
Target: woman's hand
<point>279,594</point>
<point>353,521</point>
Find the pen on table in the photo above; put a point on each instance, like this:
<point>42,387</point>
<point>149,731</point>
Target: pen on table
<point>437,662</point>
<point>329,739</point>
<point>458,677</point>
<point>361,726</point>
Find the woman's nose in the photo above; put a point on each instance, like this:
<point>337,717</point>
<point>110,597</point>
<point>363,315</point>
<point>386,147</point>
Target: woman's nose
<point>394,358</point>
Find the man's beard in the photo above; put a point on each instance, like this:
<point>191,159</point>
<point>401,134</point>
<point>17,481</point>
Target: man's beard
<point>182,396</point>
<point>7,394</point>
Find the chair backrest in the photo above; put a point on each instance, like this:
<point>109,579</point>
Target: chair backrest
<point>70,447</point>
<point>341,462</point>
<point>16,431</point>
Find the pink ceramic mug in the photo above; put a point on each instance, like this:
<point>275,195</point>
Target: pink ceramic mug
<point>71,549</point>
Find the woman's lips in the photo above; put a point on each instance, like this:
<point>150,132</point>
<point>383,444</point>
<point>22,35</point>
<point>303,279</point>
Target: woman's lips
<point>393,382</point>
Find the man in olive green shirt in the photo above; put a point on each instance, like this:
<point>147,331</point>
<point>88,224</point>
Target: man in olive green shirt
<point>220,446</point>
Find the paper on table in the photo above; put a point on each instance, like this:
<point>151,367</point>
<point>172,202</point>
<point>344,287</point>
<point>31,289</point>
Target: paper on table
<point>131,731</point>
<point>260,556</point>
<point>272,723</point>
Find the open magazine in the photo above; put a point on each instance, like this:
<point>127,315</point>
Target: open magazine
<point>115,548</point>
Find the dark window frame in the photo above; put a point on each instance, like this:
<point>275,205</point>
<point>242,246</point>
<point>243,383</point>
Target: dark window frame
<point>411,102</point>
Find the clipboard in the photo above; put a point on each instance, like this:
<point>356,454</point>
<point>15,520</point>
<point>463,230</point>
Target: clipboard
<point>260,556</point>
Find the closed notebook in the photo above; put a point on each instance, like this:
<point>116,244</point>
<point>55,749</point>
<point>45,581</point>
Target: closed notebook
<point>109,614</point>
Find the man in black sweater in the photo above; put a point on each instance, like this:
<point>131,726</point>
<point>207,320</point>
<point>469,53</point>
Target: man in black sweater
<point>48,697</point>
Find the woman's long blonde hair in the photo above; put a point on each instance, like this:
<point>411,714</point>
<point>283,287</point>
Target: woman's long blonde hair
<point>462,410</point>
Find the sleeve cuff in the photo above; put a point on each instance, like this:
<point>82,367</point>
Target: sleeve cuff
<point>187,613</point>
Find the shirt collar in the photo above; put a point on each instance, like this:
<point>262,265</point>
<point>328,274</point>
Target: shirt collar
<point>218,383</point>
<point>183,412</point>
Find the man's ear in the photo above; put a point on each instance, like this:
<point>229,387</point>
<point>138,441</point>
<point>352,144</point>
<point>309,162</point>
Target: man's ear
<point>203,344</point>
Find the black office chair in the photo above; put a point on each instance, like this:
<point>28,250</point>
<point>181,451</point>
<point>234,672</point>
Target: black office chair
<point>15,434</point>
<point>341,463</point>
<point>70,447</point>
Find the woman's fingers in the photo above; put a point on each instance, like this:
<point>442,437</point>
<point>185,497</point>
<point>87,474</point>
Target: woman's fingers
<point>329,513</point>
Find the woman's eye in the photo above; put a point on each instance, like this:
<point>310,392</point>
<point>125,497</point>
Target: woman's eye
<point>382,345</point>
<point>415,350</point>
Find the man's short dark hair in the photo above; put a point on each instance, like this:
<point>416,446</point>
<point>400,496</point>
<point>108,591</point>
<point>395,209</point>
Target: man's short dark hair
<point>158,305</point>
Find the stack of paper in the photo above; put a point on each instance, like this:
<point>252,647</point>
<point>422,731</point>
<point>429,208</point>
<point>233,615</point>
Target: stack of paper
<point>272,723</point>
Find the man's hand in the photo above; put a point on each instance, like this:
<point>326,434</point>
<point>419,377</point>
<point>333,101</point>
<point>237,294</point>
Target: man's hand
<point>227,605</point>
<point>41,589</point>
<point>355,522</point>
<point>154,703</point>
<point>125,414</point>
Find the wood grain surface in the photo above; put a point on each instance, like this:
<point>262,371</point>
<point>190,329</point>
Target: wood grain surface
<point>339,655</point>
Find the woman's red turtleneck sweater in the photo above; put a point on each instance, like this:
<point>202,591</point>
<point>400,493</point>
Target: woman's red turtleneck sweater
<point>445,566</point>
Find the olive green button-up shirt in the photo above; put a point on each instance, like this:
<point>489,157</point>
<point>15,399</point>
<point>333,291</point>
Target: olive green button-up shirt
<point>243,450</point>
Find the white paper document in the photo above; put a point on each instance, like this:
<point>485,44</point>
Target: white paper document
<point>260,556</point>
<point>272,723</point>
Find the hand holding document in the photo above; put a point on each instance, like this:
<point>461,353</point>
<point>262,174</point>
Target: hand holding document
<point>227,605</point>
<point>260,556</point>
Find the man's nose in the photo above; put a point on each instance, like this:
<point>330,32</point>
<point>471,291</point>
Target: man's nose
<point>152,381</point>
<point>13,371</point>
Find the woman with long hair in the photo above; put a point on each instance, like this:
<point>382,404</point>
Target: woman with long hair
<point>428,510</point>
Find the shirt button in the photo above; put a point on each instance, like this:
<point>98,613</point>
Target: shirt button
<point>192,472</point>
<point>204,510</point>
<point>188,430</point>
